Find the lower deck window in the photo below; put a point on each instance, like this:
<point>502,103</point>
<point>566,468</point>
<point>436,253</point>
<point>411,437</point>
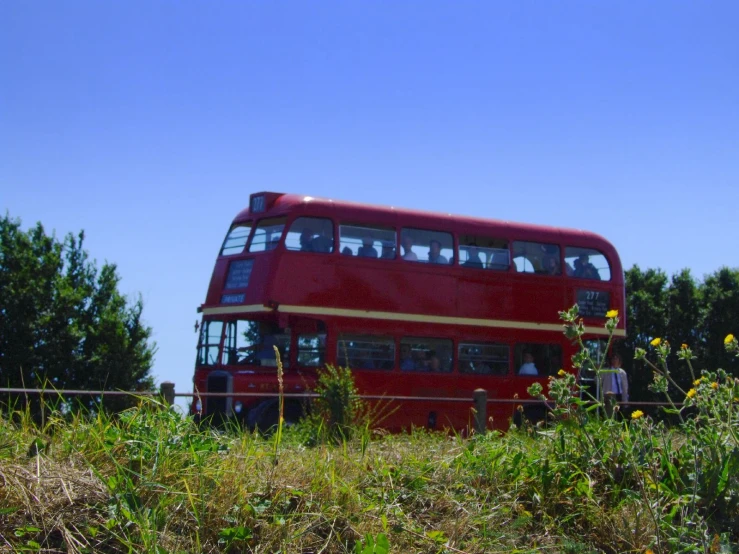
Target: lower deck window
<point>483,358</point>
<point>534,359</point>
<point>250,342</point>
<point>366,352</point>
<point>424,354</point>
<point>312,350</point>
<point>210,342</point>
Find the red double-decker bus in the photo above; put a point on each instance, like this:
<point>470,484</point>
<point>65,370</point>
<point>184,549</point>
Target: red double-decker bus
<point>417,304</point>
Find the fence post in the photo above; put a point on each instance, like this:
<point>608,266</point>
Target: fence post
<point>166,389</point>
<point>481,410</point>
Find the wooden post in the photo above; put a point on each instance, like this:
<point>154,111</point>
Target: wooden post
<point>167,391</point>
<point>609,402</point>
<point>481,410</point>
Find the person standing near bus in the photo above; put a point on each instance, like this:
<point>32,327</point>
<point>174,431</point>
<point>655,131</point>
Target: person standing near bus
<point>408,253</point>
<point>615,383</point>
<point>435,256</point>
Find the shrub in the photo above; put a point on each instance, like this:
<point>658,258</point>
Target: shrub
<point>337,411</point>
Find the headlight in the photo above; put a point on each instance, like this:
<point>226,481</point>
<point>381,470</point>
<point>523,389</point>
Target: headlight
<point>238,406</point>
<point>198,406</point>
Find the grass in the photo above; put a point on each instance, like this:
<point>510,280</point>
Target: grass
<point>149,480</point>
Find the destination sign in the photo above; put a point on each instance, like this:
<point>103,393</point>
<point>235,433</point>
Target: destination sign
<point>238,274</point>
<point>593,303</point>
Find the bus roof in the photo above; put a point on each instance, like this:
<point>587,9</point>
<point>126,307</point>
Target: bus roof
<point>279,203</point>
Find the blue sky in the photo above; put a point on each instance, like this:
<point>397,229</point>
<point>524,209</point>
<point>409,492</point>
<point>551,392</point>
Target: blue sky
<point>148,124</point>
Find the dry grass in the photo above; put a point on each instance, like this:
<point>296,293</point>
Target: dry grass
<point>150,481</point>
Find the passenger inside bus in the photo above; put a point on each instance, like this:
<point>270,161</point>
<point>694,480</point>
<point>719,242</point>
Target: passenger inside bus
<point>551,265</point>
<point>388,250</point>
<point>434,364</point>
<point>407,363</point>
<point>323,242</point>
<point>346,251</point>
<point>408,253</point>
<point>473,257</point>
<point>266,354</point>
<point>499,260</point>
<point>584,269</point>
<point>435,256</point>
<point>306,240</point>
<point>273,242</point>
<point>528,367</point>
<point>367,250</point>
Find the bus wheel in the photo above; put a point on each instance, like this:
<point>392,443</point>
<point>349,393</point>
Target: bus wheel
<point>531,415</point>
<point>268,416</point>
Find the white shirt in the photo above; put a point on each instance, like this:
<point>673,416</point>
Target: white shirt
<point>529,368</point>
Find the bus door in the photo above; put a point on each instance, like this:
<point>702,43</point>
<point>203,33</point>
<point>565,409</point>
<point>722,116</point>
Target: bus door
<point>485,365</point>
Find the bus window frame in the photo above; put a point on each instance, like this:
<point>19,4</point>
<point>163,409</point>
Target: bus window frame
<point>277,242</point>
<point>288,227</point>
<point>245,248</point>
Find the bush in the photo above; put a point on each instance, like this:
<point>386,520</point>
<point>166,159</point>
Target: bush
<point>678,484</point>
<point>338,412</point>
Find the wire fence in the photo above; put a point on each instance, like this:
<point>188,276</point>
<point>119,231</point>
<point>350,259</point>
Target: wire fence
<point>479,401</point>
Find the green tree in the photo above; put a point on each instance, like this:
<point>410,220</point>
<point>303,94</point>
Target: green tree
<point>684,323</point>
<point>646,318</point>
<point>720,310</point>
<point>63,322</point>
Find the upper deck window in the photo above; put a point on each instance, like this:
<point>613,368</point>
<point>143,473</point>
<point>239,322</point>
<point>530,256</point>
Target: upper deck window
<point>432,247</point>
<point>267,234</point>
<point>586,263</point>
<point>236,239</point>
<point>367,241</point>
<point>311,234</point>
<point>535,257</point>
<point>480,252</point>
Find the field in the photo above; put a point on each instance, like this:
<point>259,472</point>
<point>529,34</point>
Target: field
<point>149,480</point>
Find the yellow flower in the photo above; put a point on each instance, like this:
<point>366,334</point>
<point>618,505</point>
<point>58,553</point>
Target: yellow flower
<point>698,381</point>
<point>729,338</point>
<point>684,346</point>
<point>649,551</point>
<point>656,341</point>
<point>714,385</point>
<point>561,373</point>
<point>611,314</point>
<point>691,393</point>
<point>636,414</point>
